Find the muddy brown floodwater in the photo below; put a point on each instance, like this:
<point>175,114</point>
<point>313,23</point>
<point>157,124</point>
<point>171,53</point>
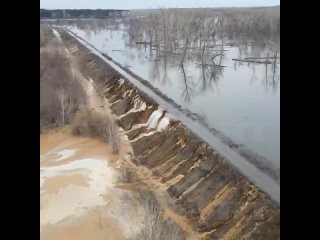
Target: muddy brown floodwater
<point>78,197</point>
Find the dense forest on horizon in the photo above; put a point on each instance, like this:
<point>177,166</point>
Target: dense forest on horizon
<point>81,13</point>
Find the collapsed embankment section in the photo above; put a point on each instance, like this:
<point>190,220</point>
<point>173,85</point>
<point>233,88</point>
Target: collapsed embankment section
<point>218,200</point>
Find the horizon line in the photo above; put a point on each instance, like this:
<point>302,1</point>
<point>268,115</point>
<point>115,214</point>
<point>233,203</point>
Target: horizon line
<point>153,8</point>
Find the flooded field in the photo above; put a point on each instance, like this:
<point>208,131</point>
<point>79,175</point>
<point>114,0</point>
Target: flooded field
<point>240,98</point>
<point>78,199</point>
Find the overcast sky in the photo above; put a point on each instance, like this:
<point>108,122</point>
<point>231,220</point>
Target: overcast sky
<point>145,4</point>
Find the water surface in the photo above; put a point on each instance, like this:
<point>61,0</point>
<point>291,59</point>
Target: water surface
<point>241,100</point>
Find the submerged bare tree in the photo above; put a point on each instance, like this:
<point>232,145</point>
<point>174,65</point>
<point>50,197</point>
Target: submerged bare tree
<point>63,97</point>
<point>255,25</point>
<point>65,103</point>
<point>174,36</point>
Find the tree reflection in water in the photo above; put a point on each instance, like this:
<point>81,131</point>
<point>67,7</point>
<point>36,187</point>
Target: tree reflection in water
<point>154,73</point>
<point>270,63</point>
<point>188,90</point>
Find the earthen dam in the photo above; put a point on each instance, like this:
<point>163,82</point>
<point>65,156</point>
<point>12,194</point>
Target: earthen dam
<point>223,194</point>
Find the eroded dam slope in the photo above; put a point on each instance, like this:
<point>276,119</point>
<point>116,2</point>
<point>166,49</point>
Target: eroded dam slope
<point>219,201</point>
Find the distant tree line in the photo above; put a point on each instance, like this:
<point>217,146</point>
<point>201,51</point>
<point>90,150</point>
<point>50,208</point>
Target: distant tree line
<point>81,13</point>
